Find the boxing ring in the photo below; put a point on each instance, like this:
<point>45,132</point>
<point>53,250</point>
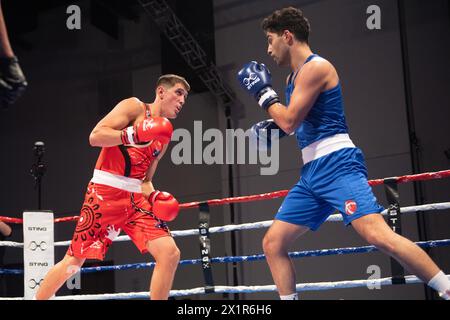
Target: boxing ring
<point>206,262</point>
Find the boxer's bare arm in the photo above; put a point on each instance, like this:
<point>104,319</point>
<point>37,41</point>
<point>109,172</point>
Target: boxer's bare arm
<point>147,185</point>
<point>5,46</point>
<point>107,132</point>
<point>5,230</point>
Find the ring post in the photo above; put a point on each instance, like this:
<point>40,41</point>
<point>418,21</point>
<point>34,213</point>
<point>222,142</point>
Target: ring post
<point>38,249</point>
<point>394,221</point>
<point>205,246</point>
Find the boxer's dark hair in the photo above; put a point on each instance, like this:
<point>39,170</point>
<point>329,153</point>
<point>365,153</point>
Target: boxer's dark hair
<point>169,80</point>
<point>291,19</point>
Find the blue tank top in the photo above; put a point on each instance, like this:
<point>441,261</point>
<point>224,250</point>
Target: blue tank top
<point>326,117</point>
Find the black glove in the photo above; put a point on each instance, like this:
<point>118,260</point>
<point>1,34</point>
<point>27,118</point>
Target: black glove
<point>12,81</point>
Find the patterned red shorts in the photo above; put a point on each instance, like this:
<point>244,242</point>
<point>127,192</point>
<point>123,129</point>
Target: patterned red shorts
<point>105,212</point>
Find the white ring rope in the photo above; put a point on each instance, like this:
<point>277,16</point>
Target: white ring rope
<point>301,287</point>
<point>254,225</point>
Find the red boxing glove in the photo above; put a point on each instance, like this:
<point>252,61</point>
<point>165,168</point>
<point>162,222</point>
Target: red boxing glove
<point>156,128</point>
<point>164,205</point>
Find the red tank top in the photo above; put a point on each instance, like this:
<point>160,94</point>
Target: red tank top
<point>127,161</point>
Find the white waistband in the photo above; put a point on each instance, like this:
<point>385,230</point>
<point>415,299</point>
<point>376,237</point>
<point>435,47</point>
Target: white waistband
<point>326,146</point>
<point>116,181</point>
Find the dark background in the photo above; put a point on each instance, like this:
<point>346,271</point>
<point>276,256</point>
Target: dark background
<point>395,82</point>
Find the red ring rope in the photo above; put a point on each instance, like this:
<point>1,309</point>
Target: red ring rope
<point>271,195</point>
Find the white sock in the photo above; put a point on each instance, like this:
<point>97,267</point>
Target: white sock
<point>441,284</point>
<point>292,296</point>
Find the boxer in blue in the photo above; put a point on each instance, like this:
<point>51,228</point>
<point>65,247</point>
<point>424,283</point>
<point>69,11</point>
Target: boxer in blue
<point>334,174</point>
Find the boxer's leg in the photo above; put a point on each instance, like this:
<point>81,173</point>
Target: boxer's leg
<point>94,233</point>
<point>351,194</point>
<point>299,212</point>
<point>167,256</point>
<point>276,244</point>
<point>150,235</point>
<point>374,229</point>
<point>57,275</point>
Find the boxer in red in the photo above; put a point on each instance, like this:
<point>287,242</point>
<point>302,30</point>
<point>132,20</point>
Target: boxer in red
<point>120,196</point>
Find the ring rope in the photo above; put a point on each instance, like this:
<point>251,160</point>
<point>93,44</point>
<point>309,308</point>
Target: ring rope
<point>282,193</point>
<point>250,226</point>
<point>270,195</point>
<point>301,287</point>
<point>255,257</point>
<point>244,289</point>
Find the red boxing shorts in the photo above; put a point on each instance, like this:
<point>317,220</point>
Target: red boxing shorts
<point>106,211</point>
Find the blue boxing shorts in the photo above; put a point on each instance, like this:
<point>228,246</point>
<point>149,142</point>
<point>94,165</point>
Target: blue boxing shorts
<point>336,181</point>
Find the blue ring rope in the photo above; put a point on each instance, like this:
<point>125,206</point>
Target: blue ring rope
<point>256,257</point>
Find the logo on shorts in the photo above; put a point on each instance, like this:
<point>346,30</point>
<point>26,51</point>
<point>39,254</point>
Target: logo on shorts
<point>350,207</point>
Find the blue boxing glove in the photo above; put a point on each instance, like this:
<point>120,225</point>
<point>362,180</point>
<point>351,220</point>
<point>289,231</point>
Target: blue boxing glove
<point>255,78</point>
<point>264,132</point>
